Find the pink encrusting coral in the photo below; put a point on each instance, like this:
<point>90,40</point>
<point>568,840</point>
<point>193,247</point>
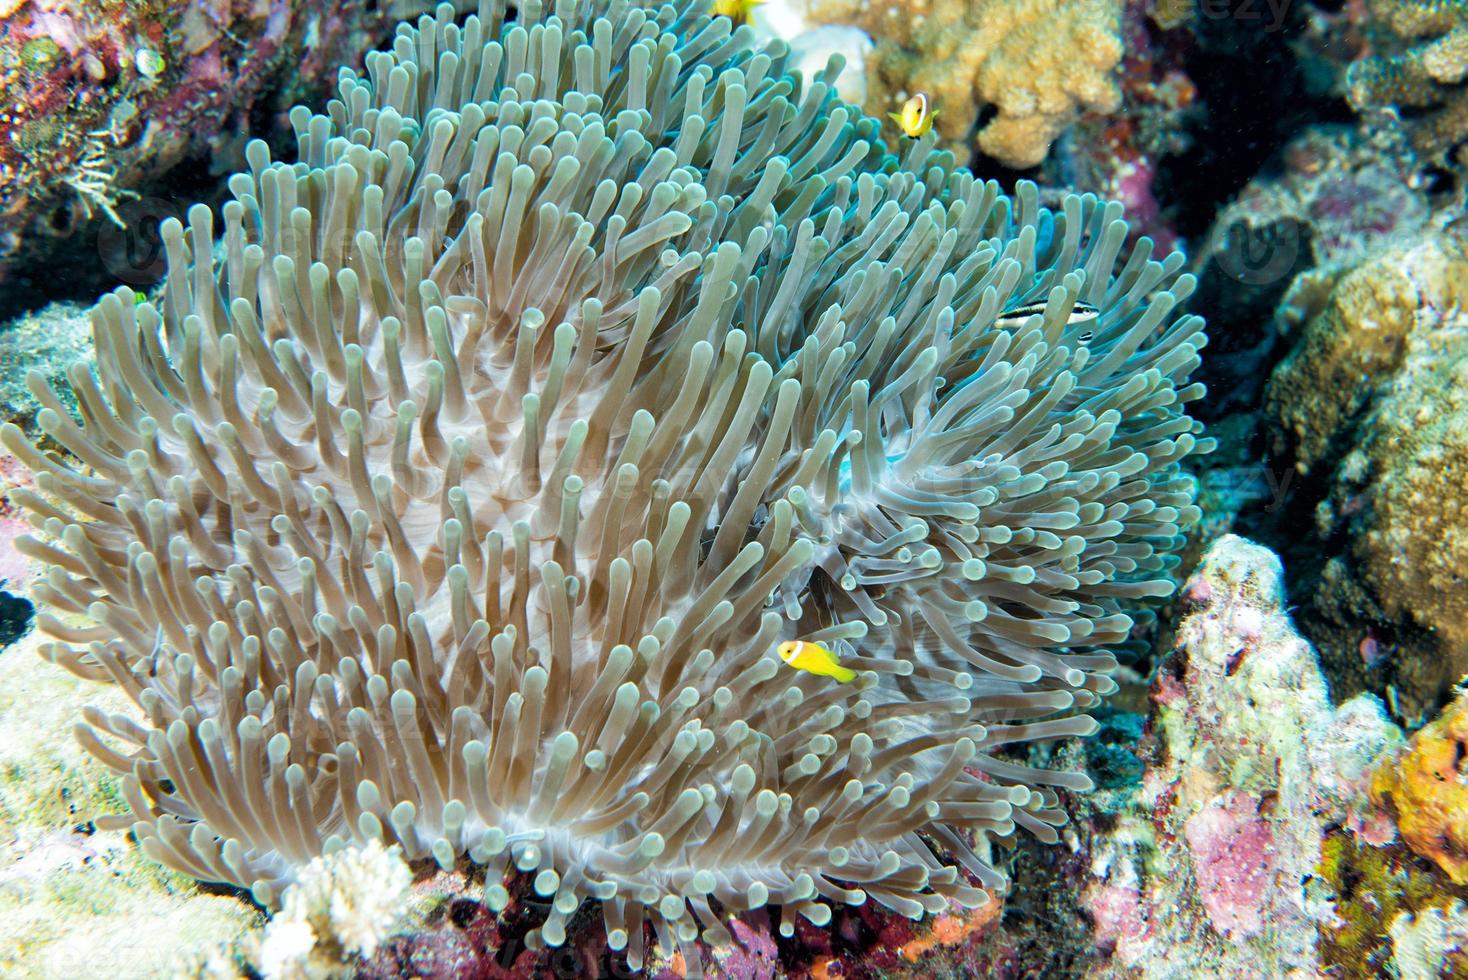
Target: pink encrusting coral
<point>1234,861</point>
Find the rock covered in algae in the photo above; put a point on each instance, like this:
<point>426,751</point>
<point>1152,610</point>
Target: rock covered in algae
<point>1372,405</point>
<point>76,901</point>
<point>1355,344</point>
<point>1211,873</point>
<point>103,97</point>
<point>1038,63</point>
<point>49,341</point>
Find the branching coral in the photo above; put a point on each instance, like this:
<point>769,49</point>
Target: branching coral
<point>1420,66</point>
<point>461,503</point>
<point>1038,62</point>
<point>343,906</point>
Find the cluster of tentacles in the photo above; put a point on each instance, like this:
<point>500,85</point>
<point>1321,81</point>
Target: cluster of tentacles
<point>460,497</point>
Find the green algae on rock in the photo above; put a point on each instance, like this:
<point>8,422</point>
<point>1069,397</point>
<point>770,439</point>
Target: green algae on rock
<point>75,901</point>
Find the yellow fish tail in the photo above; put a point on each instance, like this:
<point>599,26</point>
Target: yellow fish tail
<point>844,675</point>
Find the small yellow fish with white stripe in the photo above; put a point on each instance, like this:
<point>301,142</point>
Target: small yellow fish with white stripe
<point>914,119</point>
<point>739,11</point>
<point>814,659</point>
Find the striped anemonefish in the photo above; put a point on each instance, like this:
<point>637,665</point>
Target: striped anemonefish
<point>913,118</point>
<point>1080,313</point>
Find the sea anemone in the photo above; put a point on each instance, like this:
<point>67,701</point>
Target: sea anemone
<point>460,497</point>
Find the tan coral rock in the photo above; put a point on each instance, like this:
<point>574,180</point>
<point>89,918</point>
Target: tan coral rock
<point>1375,400</point>
<point>1354,343</point>
<point>1418,61</point>
<point>1038,62</point>
<point>1415,547</point>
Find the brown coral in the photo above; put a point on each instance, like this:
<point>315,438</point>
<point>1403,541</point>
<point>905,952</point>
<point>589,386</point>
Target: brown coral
<point>1419,65</point>
<point>1038,62</point>
<point>1352,346</point>
<point>1375,401</point>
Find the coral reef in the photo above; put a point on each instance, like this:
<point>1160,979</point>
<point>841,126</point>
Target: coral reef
<point>1427,791</point>
<point>1417,67</point>
<point>1345,196</point>
<point>1211,871</point>
<point>460,499</point>
<point>101,98</point>
<point>1117,155</point>
<point>1333,196</point>
<point>342,906</point>
<point>1380,893</point>
<point>1353,345</point>
<point>1370,405</point>
<point>1038,63</point>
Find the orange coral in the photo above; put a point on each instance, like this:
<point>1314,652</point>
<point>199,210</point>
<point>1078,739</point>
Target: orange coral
<point>827,968</point>
<point>1428,789</point>
<point>950,930</point>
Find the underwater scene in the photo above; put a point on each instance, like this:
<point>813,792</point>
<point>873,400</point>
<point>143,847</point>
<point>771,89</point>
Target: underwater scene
<point>830,489</point>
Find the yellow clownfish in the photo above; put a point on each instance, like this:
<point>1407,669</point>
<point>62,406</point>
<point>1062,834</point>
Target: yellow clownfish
<point>739,11</point>
<point>814,659</point>
<point>914,119</point>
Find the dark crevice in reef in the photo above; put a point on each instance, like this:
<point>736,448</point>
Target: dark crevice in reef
<point>1333,609</point>
<point>1239,63</point>
<point>16,614</point>
<point>84,261</point>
